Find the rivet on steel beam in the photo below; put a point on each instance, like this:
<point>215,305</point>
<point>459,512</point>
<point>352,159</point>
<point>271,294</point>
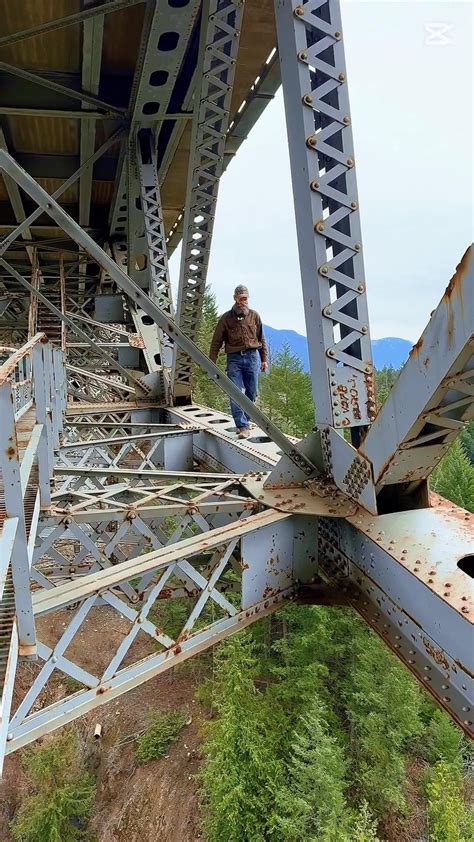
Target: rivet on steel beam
<point>298,11</point>
<point>364,329</point>
<point>314,185</point>
<point>319,227</point>
<point>342,77</point>
<point>307,99</point>
<point>324,270</point>
<point>357,246</point>
<point>303,55</point>
<point>337,35</point>
<point>346,120</point>
<point>350,162</point>
<point>331,353</point>
<point>311,141</point>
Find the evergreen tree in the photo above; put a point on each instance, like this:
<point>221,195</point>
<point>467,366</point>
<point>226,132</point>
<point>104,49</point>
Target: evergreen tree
<point>312,804</point>
<point>384,380</point>
<point>449,819</point>
<point>467,440</point>
<point>241,772</point>
<point>60,805</point>
<point>285,394</point>
<point>453,478</point>
<point>205,390</point>
<point>383,705</point>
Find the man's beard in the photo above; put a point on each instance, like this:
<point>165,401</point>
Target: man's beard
<point>240,310</point>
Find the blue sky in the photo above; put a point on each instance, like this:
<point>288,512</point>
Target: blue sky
<point>411,107</point>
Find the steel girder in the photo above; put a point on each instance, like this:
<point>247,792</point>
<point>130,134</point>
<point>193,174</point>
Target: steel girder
<point>302,462</point>
<point>433,397</point>
<point>128,527</point>
<point>220,34</point>
<point>154,81</point>
<point>314,78</point>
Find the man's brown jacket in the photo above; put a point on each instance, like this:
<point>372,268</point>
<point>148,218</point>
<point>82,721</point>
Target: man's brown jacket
<point>239,335</point>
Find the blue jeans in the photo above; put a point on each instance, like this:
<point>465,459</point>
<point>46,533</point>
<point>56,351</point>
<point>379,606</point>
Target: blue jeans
<point>243,371</point>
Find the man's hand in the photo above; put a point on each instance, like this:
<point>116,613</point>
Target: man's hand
<point>264,366</point>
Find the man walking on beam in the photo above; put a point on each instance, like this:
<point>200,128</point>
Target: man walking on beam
<point>241,332</point>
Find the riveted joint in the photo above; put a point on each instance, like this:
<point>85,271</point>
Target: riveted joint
<point>357,246</point>
<point>307,99</point>
<point>354,205</point>
<point>319,226</point>
<point>314,185</point>
<point>338,35</point>
<point>350,162</point>
<point>342,77</point>
<point>303,55</point>
<point>298,11</point>
<point>324,270</point>
<point>346,120</point>
<point>311,141</point>
<point>331,353</point>
<point>327,311</point>
<point>364,329</point>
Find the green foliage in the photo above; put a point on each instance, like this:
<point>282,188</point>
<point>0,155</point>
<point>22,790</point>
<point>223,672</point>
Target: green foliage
<point>364,826</point>
<point>383,705</point>
<point>59,808</point>
<point>311,802</point>
<point>448,817</point>
<point>285,394</point>
<point>467,440</point>
<point>442,741</point>
<point>205,391</point>
<point>163,729</point>
<point>453,478</point>
<point>241,771</point>
<point>384,380</point>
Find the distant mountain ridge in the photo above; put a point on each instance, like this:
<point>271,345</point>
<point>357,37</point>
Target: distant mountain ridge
<point>389,351</point>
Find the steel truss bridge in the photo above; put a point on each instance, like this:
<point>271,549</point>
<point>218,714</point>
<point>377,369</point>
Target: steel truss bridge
<point>117,492</point>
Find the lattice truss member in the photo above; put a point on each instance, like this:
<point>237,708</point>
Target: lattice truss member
<point>117,492</point>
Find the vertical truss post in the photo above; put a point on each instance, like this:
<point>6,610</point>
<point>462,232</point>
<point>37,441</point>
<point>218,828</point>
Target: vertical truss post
<point>220,35</point>
<point>33,308</point>
<point>314,79</point>
<point>43,417</point>
<point>10,484</point>
<point>159,283</point>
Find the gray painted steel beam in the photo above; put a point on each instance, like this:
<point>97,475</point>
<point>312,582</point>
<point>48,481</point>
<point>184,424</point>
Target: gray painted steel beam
<point>61,89</point>
<point>302,463</point>
<point>314,78</point>
<point>17,232</point>
<point>220,36</point>
<point>433,396</point>
<point>68,20</point>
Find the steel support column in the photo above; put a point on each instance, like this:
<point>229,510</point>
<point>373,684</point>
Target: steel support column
<point>314,79</point>
<point>220,35</point>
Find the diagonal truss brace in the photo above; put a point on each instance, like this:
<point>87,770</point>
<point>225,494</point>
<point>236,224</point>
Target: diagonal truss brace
<point>41,197</point>
<point>220,35</point>
<point>434,395</point>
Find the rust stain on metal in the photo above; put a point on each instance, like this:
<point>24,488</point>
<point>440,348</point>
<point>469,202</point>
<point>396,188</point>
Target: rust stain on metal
<point>437,654</point>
